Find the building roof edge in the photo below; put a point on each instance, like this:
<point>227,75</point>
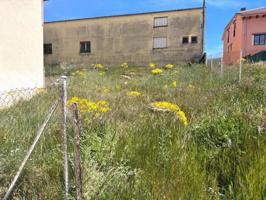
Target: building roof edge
<point>124,15</point>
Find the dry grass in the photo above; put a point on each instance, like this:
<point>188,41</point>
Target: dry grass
<point>133,152</point>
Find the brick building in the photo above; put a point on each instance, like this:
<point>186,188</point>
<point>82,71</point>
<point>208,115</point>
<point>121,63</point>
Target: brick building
<point>245,32</point>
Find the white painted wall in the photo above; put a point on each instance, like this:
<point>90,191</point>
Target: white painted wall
<point>21,44</point>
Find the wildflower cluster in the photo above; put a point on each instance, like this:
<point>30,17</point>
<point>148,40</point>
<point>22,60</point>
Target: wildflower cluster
<point>169,66</point>
<point>152,65</point>
<point>157,71</point>
<point>81,73</point>
<point>124,65</point>
<point>98,66</point>
<point>171,107</point>
<point>133,93</point>
<point>190,86</point>
<point>105,90</point>
<point>174,84</point>
<point>86,106</point>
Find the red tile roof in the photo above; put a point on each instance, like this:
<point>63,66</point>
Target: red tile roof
<point>256,11</point>
<point>253,11</point>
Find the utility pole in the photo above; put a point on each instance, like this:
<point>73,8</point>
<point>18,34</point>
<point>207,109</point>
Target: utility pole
<point>203,24</point>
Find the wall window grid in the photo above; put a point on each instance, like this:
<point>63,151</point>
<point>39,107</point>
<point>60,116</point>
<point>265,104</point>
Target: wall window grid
<point>185,40</point>
<point>160,22</point>
<point>159,42</point>
<point>194,39</point>
<point>259,39</point>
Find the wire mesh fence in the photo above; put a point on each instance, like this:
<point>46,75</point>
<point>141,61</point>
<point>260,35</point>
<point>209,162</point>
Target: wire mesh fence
<point>22,114</point>
<point>232,62</point>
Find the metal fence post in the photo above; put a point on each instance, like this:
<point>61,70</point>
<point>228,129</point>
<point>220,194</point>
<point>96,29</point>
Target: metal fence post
<point>77,131</point>
<point>64,114</point>
<point>222,66</point>
<point>240,66</point>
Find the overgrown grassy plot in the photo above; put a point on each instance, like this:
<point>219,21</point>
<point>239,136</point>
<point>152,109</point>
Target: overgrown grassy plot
<point>134,152</point>
<point>18,126</point>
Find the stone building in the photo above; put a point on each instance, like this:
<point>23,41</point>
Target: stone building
<point>172,36</point>
<point>21,47</point>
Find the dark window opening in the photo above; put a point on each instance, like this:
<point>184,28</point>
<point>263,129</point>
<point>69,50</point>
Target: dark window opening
<point>185,40</point>
<point>259,39</point>
<point>194,39</point>
<point>228,36</point>
<point>234,34</point>
<point>230,47</point>
<point>48,49</point>
<point>85,47</point>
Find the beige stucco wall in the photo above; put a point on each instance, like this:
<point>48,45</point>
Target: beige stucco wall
<point>119,39</point>
<point>21,46</point>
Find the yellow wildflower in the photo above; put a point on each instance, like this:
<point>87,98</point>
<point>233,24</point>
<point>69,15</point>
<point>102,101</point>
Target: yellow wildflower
<point>103,106</point>
<point>124,65</point>
<point>183,117</point>
<point>98,66</point>
<point>81,73</point>
<point>166,105</point>
<point>104,109</point>
<point>157,71</point>
<point>152,65</point>
<point>169,66</point>
<point>190,86</point>
<point>73,100</point>
<point>105,90</point>
<point>86,106</point>
<point>174,84</point>
<point>172,107</point>
<point>133,93</point>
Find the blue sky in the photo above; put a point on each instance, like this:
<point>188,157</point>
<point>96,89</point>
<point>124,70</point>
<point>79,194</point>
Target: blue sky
<point>219,12</point>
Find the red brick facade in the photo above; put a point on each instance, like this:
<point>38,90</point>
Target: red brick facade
<point>247,32</point>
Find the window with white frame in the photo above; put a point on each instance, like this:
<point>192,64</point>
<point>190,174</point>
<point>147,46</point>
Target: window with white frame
<point>160,42</point>
<point>160,21</point>
<point>259,39</point>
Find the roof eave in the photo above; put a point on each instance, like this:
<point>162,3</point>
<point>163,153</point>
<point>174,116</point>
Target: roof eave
<point>125,15</point>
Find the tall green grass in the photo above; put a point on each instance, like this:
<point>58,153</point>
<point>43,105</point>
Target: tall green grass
<point>133,152</point>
